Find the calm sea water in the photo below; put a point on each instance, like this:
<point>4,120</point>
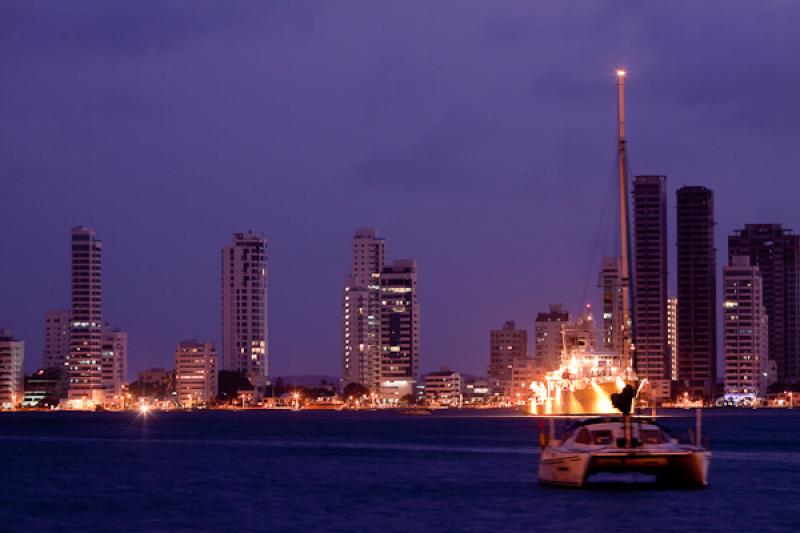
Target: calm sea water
<point>261,470</point>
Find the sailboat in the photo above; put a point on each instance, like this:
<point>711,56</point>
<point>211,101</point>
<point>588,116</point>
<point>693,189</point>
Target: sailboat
<point>622,445</point>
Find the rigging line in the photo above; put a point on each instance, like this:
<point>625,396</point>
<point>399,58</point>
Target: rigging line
<point>601,234</point>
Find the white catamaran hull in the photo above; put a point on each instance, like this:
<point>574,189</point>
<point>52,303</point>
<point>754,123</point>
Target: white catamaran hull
<point>573,468</point>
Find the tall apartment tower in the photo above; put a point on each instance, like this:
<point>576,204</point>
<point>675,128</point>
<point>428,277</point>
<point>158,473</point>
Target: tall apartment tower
<point>776,251</point>
<point>508,352</point>
<point>611,293</point>
<point>550,338</point>
<point>651,356</point>
<point>195,372</point>
<point>697,292</point>
<point>672,335</point>
<point>84,368</point>
<point>361,306</point>
<point>745,331</point>
<point>244,307</point>
<point>399,328</point>
<point>56,338</point>
<point>113,358</point>
<point>12,356</point>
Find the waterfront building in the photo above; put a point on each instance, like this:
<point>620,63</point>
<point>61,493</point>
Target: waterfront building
<point>361,309</point>
<point>476,391</point>
<point>195,372</point>
<point>697,292</point>
<point>12,357</point>
<point>399,323</point>
<point>85,376</point>
<point>444,388</point>
<point>651,357</point>
<point>550,338</point>
<point>745,330</point>
<point>672,335</point>
<point>244,307</point>
<point>611,294</point>
<point>113,359</point>
<point>510,368</point>
<point>44,388</point>
<point>56,338</point>
<point>776,252</point>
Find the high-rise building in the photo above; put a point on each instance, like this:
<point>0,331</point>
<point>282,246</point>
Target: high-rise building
<point>745,331</point>
<point>509,363</point>
<point>776,252</point>
<point>361,306</point>
<point>672,335</point>
<point>12,356</point>
<point>399,323</point>
<point>113,359</point>
<point>611,286</point>
<point>651,357</point>
<point>195,372</point>
<point>244,307</point>
<point>697,292</point>
<point>550,338</point>
<point>56,338</point>
<point>84,369</point>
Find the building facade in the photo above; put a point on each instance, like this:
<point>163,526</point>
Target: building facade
<point>651,357</point>
<point>195,372</point>
<point>56,338</point>
<point>245,343</point>
<point>113,359</point>
<point>444,388</point>
<point>672,335</point>
<point>745,330</point>
<point>610,284</point>
<point>361,308</point>
<point>509,364</point>
<point>776,252</point>
<point>697,292</point>
<point>550,338</point>
<point>12,358</point>
<point>85,375</point>
<point>399,329</point>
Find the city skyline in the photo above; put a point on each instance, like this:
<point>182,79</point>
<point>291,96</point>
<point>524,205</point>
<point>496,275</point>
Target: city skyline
<point>490,169</point>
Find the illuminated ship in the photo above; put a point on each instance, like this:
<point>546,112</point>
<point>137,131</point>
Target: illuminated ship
<point>585,379</point>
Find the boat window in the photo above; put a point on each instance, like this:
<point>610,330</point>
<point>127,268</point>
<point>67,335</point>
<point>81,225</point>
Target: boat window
<point>583,436</point>
<point>653,436</point>
<point>601,436</point>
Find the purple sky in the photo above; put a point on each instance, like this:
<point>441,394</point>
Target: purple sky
<point>478,137</point>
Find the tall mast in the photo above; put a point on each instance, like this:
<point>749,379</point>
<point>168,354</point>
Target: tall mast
<point>624,229</point>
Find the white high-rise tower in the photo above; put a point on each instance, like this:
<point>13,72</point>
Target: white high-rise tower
<point>84,368</point>
<point>244,307</point>
<point>361,358</point>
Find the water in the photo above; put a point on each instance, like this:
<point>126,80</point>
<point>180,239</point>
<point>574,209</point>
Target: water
<point>369,471</point>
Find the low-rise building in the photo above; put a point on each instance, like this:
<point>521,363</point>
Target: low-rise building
<point>443,388</point>
<point>195,372</point>
<point>45,387</point>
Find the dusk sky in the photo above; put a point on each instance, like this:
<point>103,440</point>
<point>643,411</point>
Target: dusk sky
<point>477,137</point>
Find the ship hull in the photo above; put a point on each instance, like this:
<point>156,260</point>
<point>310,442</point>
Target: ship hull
<point>687,468</point>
